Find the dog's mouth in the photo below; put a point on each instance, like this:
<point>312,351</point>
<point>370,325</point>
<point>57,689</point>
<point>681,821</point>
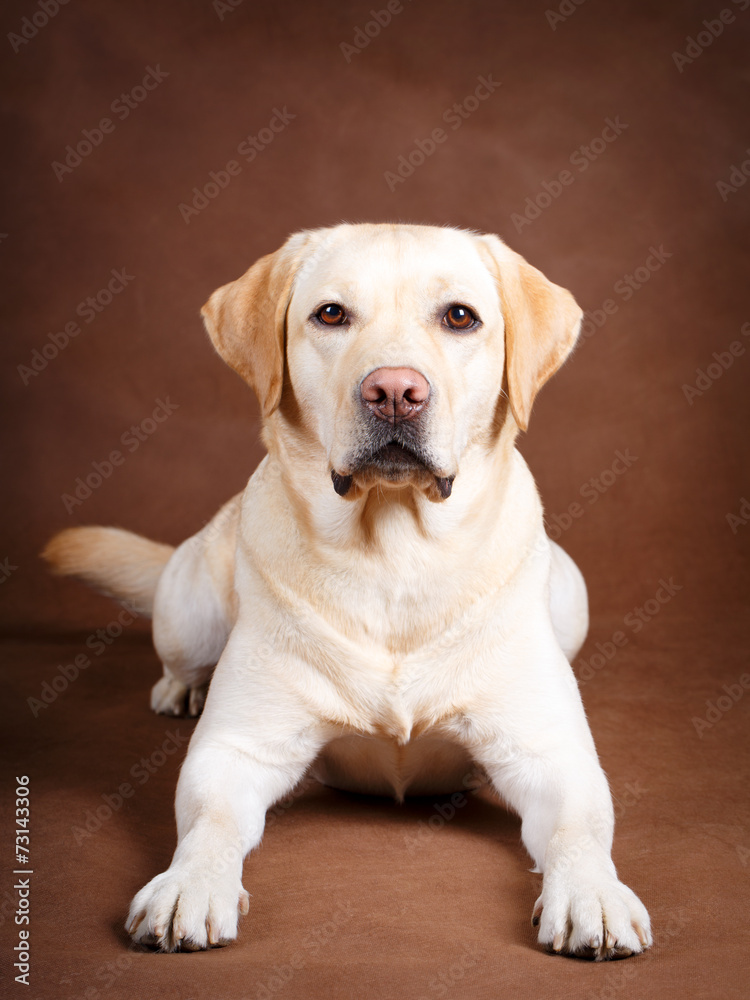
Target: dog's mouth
<point>396,459</point>
<point>395,462</point>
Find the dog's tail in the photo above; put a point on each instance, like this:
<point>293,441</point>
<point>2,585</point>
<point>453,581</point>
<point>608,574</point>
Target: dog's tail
<point>118,563</point>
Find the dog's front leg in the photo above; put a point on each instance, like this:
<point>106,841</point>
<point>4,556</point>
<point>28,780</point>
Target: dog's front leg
<point>251,746</point>
<point>540,757</point>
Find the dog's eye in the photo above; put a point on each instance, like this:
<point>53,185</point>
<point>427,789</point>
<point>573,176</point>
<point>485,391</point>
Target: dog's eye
<point>460,318</point>
<point>332,314</point>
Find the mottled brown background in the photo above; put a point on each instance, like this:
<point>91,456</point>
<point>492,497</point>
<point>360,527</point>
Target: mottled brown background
<point>683,840</point>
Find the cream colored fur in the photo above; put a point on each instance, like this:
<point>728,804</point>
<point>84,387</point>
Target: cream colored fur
<point>390,639</point>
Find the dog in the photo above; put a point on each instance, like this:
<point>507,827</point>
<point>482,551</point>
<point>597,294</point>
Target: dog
<point>381,605</point>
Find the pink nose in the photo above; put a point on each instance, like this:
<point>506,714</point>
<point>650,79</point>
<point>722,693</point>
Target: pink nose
<point>395,393</point>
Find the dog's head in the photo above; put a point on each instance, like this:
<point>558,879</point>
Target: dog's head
<point>394,349</point>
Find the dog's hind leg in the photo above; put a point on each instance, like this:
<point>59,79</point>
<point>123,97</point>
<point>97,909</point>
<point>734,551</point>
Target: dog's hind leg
<point>569,605</point>
<point>194,611</point>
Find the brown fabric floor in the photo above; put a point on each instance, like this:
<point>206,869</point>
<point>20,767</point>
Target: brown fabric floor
<point>613,165</point>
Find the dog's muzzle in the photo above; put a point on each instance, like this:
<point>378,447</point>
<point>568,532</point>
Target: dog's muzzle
<point>394,401</point>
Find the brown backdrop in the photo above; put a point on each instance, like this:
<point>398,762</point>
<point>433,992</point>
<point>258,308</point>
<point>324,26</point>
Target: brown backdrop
<point>647,226</point>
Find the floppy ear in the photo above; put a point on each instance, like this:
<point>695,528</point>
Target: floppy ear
<point>246,320</point>
<point>542,322</point>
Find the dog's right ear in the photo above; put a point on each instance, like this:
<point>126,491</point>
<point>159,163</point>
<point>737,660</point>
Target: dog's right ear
<point>246,320</point>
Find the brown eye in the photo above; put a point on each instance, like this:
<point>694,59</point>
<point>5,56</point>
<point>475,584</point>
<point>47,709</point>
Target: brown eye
<point>459,318</point>
<point>332,314</point>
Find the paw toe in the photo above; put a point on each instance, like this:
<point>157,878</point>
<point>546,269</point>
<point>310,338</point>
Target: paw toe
<point>592,921</point>
<point>171,697</point>
<point>176,913</point>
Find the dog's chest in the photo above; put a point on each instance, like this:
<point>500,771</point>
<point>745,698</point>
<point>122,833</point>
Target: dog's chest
<point>392,634</point>
<point>394,661</point>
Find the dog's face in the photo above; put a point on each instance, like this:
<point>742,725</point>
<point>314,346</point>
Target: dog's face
<point>395,352</point>
<point>399,343</point>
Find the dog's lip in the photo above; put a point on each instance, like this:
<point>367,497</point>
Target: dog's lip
<point>399,452</point>
<point>395,457</point>
<point>399,457</point>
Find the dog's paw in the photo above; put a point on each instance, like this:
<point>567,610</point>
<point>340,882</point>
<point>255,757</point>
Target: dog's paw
<point>591,916</point>
<point>171,697</point>
<point>179,912</point>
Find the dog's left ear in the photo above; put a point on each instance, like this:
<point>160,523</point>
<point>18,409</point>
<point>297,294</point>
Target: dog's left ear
<point>542,322</point>
<point>246,320</point>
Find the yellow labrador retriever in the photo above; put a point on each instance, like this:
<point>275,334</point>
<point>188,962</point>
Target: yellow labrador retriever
<point>382,602</point>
